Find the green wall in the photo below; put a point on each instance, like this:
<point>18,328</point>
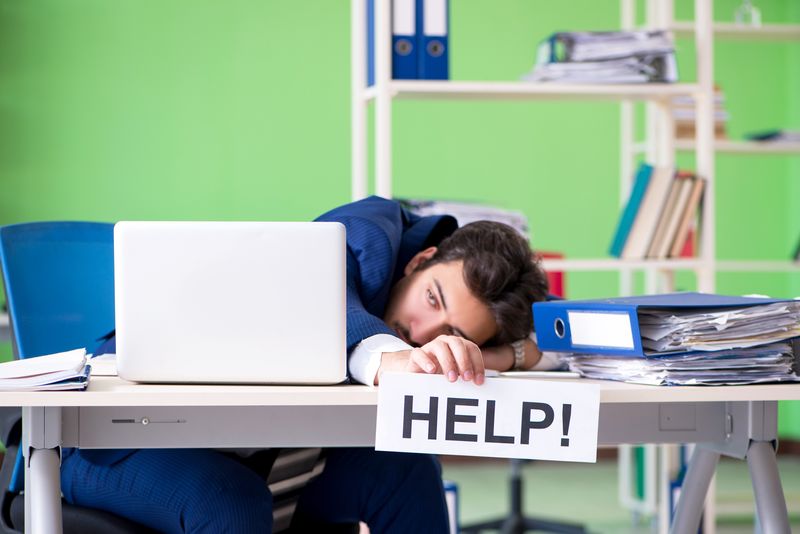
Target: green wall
<point>198,109</point>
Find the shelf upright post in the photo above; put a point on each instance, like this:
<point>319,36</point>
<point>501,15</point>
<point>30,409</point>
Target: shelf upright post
<point>383,99</point>
<point>627,142</point>
<point>358,101</point>
<point>704,137</point>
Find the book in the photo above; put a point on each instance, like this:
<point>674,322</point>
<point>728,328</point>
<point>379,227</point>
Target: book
<point>685,183</point>
<point>644,224</point>
<point>688,217</point>
<point>669,207</point>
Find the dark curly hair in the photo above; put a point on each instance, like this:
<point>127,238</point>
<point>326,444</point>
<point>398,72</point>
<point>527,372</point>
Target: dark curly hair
<point>501,271</point>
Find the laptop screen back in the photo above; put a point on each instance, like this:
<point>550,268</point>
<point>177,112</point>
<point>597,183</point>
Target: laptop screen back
<point>230,302</point>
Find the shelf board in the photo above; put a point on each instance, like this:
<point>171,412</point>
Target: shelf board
<point>466,90</point>
<point>611,264</point>
<point>732,30</point>
<point>744,147</point>
<point>757,266</point>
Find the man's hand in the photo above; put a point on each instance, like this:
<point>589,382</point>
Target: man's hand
<point>451,356</point>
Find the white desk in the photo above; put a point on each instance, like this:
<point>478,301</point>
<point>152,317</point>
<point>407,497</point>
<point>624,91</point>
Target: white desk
<point>734,421</point>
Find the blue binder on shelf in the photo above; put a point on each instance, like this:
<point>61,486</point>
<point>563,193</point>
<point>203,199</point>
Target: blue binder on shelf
<point>611,326</point>
<point>434,47</point>
<point>405,45</point>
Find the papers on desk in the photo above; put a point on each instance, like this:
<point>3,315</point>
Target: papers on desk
<point>60,371</point>
<point>696,339</point>
<point>766,363</point>
<point>719,329</point>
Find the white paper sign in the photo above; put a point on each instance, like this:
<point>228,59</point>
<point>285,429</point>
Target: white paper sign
<point>503,418</point>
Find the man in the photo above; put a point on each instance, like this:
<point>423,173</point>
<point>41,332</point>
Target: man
<point>421,297</point>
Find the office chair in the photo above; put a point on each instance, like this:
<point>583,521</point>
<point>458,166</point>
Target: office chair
<point>516,522</point>
<point>59,284</point>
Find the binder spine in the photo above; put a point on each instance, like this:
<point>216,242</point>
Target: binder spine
<point>587,330</point>
<point>405,48</point>
<point>434,48</point>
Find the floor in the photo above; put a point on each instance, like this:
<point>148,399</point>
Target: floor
<point>587,494</point>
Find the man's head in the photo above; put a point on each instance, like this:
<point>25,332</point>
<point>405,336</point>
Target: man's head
<point>479,283</point>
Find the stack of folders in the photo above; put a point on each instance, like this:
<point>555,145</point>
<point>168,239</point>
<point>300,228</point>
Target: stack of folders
<point>53,372</point>
<point>606,57</point>
<point>660,218</point>
<point>420,41</point>
<point>675,339</point>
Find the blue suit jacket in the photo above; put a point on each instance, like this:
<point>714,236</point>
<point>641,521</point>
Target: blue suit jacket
<point>382,237</point>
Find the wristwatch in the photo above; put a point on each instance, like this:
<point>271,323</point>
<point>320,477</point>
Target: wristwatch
<point>519,354</point>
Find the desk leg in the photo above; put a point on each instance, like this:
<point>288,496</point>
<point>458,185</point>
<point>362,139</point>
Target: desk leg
<point>694,490</point>
<point>773,516</point>
<point>41,440</point>
<point>44,492</point>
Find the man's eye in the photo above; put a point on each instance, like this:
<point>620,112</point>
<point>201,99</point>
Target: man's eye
<point>430,297</point>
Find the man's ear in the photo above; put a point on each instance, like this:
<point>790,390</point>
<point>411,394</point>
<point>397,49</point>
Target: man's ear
<point>419,258</point>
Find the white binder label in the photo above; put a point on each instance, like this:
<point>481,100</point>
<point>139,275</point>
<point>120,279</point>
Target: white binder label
<point>435,21</point>
<point>593,329</point>
<point>403,17</point>
<point>503,418</point>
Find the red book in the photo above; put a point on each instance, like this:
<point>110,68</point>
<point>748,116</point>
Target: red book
<point>555,279</point>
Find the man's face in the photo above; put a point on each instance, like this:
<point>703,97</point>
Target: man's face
<point>435,301</point>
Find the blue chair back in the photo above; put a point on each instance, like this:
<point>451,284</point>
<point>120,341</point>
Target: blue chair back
<point>59,285</point>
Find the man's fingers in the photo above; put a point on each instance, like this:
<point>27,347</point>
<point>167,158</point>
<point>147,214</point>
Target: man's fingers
<point>420,361</point>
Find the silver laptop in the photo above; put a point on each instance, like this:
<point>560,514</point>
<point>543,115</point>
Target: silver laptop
<point>230,302</point>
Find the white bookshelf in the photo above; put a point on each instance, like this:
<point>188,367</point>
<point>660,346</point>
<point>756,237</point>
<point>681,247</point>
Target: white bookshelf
<point>385,91</point>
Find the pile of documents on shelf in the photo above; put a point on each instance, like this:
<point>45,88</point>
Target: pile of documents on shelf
<point>683,113</point>
<point>660,218</point>
<point>606,57</point>
<point>467,212</point>
<point>677,339</point>
<point>60,371</point>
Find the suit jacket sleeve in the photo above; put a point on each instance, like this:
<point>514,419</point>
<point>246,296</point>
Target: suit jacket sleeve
<point>374,231</point>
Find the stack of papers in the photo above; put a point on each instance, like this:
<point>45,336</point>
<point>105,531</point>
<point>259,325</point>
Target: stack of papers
<point>720,329</point>
<point>766,363</point>
<point>606,57</point>
<point>60,371</point>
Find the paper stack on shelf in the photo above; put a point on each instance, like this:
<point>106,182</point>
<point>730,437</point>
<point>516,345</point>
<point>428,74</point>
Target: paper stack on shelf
<point>704,345</point>
<point>60,371</point>
<point>467,212</point>
<point>683,113</point>
<point>606,57</point>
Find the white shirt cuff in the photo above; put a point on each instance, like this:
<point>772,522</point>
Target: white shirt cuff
<point>549,360</point>
<point>366,357</point>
